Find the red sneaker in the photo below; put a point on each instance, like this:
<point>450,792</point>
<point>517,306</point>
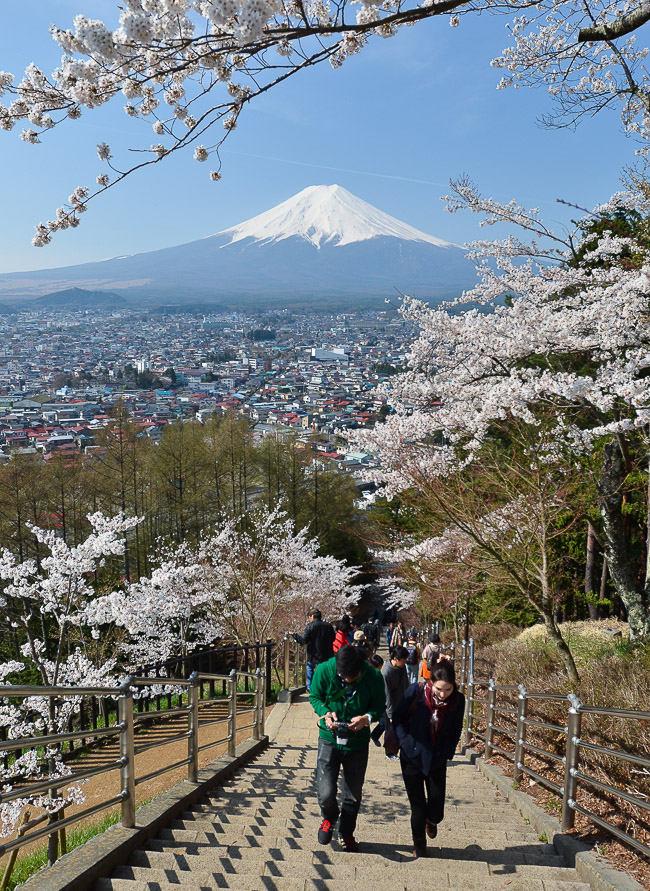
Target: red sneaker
<point>325,832</point>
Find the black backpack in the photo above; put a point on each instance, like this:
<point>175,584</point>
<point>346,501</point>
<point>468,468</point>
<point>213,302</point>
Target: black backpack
<point>412,658</point>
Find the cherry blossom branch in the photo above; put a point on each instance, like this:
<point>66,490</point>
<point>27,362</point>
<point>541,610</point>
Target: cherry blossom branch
<point>620,27</point>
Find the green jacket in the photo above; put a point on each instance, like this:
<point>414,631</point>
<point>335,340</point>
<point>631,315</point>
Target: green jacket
<point>327,695</point>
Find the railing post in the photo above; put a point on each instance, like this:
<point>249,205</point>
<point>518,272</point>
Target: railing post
<point>520,732</point>
<point>258,699</point>
<point>127,755</point>
<point>232,714</point>
<point>193,728</point>
<point>286,659</point>
<point>452,652</point>
<point>296,662</point>
<point>268,670</point>
<point>469,709</point>
<point>571,763</point>
<point>471,657</point>
<point>263,706</point>
<point>463,670</point>
<point>489,729</point>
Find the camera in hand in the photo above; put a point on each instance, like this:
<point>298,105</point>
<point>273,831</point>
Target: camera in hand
<point>342,733</point>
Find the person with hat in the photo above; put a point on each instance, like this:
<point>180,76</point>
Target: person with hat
<point>361,641</point>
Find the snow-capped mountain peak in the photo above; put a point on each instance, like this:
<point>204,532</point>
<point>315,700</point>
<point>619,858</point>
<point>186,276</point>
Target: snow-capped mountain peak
<point>325,215</point>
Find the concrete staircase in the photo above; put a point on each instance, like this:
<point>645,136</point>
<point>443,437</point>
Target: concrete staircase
<point>258,833</point>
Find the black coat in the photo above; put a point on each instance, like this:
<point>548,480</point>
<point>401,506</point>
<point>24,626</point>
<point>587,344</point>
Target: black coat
<point>318,637</point>
<point>371,630</point>
<point>411,722</point>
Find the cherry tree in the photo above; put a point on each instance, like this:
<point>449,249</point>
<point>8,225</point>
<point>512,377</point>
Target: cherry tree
<point>164,614</point>
<point>46,603</point>
<point>264,578</point>
<point>496,524</point>
<point>569,342</point>
<point>189,67</point>
<point>249,580</point>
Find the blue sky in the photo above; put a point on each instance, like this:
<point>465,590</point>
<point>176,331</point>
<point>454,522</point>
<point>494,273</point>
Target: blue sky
<point>392,126</point>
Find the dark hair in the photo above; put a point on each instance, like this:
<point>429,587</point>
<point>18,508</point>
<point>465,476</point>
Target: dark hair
<point>316,613</point>
<point>444,671</point>
<point>349,661</point>
<point>434,638</point>
<point>376,661</point>
<point>398,653</point>
<point>344,624</point>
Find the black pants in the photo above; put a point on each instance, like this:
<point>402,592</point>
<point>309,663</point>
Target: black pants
<point>329,762</point>
<point>426,794</point>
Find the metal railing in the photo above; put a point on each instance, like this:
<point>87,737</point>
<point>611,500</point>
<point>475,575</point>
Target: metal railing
<point>294,663</point>
<point>190,700</point>
<point>511,714</point>
<point>96,711</point>
<point>220,659</point>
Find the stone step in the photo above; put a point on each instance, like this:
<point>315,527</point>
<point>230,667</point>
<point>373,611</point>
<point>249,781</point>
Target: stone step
<point>232,883</point>
<point>491,849</point>
<point>308,824</point>
<point>402,882</point>
<point>492,883</point>
<point>294,833</point>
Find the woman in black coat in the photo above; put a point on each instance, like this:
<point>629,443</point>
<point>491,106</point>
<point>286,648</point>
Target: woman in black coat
<point>428,722</point>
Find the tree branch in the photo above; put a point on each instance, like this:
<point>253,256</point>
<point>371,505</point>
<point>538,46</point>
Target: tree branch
<point>618,28</point>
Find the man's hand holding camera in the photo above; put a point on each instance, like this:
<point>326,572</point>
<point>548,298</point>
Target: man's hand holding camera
<point>359,722</point>
<point>354,724</point>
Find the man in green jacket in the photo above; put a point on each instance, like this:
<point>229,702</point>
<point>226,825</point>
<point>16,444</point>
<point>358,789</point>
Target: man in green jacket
<point>347,694</point>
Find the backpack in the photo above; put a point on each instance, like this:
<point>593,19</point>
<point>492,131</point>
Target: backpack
<point>412,658</point>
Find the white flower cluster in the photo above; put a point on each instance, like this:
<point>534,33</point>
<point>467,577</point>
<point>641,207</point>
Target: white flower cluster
<point>60,589</point>
<point>240,582</point>
<point>472,368</point>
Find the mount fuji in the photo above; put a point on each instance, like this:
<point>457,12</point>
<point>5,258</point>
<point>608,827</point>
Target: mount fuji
<point>323,243</point>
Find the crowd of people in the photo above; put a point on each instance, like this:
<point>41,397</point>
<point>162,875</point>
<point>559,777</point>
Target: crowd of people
<point>414,702</point>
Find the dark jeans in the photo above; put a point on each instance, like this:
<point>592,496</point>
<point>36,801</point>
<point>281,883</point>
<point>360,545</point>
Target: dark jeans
<point>328,764</point>
<point>311,668</point>
<point>426,794</point>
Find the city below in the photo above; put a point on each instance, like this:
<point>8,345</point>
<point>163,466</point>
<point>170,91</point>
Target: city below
<point>306,376</point>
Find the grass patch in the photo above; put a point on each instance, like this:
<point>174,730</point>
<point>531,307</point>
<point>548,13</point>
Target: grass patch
<point>30,863</point>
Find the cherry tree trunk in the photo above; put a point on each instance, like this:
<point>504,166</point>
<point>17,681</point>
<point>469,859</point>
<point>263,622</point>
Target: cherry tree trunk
<point>563,649</point>
<point>623,569</point>
<point>590,568</point>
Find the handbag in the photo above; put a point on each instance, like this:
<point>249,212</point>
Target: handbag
<point>391,742</point>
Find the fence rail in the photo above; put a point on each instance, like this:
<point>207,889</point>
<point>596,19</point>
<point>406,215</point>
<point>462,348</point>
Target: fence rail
<point>503,725</point>
<point>294,663</point>
<point>193,696</point>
